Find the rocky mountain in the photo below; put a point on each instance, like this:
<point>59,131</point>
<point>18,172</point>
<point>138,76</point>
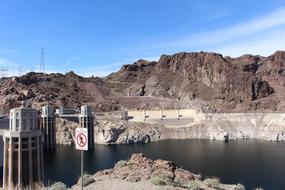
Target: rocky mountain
<point>37,89</point>
<point>241,84</point>
<point>217,83</point>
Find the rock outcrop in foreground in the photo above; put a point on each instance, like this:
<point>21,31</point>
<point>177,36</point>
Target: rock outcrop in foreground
<point>143,173</point>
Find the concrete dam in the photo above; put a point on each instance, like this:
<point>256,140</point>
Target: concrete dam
<point>191,123</point>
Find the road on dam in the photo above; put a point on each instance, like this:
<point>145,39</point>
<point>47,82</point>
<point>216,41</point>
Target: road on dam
<point>174,117</point>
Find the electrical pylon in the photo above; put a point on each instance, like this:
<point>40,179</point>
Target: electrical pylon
<point>42,63</point>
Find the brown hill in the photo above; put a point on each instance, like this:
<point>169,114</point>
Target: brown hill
<point>246,83</point>
<point>37,89</point>
<point>226,84</point>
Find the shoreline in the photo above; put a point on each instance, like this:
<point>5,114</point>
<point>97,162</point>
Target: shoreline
<point>140,172</point>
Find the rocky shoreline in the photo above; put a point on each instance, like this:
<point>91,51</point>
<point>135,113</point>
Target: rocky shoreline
<point>142,173</point>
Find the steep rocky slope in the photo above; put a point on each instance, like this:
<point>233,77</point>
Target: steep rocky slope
<point>36,89</point>
<point>226,84</point>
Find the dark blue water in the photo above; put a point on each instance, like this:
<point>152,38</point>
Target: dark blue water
<point>252,163</point>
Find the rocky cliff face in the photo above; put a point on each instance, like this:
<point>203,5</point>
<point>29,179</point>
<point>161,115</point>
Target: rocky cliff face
<point>109,128</point>
<point>65,131</point>
<point>120,132</point>
<point>240,84</point>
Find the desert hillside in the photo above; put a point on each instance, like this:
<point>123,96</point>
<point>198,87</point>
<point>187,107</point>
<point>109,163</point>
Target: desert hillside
<point>36,89</point>
<point>209,80</point>
<point>244,83</point>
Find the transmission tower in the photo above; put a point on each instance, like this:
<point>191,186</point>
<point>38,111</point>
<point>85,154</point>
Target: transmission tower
<point>42,63</point>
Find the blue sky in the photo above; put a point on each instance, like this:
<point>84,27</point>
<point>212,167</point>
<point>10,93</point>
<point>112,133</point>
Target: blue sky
<point>97,37</point>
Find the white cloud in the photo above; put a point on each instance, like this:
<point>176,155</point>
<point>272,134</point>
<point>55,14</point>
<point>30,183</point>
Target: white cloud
<point>262,35</point>
<point>72,61</point>
<point>266,22</point>
<point>264,45</point>
<point>104,70</point>
<point>6,63</point>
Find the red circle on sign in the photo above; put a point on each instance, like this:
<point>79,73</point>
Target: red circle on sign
<point>81,140</point>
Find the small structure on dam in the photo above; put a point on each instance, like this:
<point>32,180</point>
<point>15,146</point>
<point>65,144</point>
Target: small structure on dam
<point>23,156</point>
<point>86,120</point>
<point>48,127</point>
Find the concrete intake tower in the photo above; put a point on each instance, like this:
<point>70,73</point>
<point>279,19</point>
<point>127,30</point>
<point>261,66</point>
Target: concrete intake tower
<point>23,155</point>
<point>48,127</point>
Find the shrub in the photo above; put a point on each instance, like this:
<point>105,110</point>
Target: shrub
<point>192,185</point>
<point>87,179</point>
<point>121,163</point>
<point>160,180</point>
<point>212,182</point>
<point>57,186</point>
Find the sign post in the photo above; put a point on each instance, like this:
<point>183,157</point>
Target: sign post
<point>82,165</point>
<point>81,143</point>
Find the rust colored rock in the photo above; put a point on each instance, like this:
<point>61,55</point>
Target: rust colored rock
<point>165,165</point>
<point>181,174</point>
<point>225,83</point>
<point>141,160</point>
<point>141,168</point>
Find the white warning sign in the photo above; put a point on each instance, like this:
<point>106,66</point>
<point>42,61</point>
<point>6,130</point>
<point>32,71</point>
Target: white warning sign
<point>81,138</point>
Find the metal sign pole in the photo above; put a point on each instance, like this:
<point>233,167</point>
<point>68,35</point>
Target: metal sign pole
<point>82,157</point>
